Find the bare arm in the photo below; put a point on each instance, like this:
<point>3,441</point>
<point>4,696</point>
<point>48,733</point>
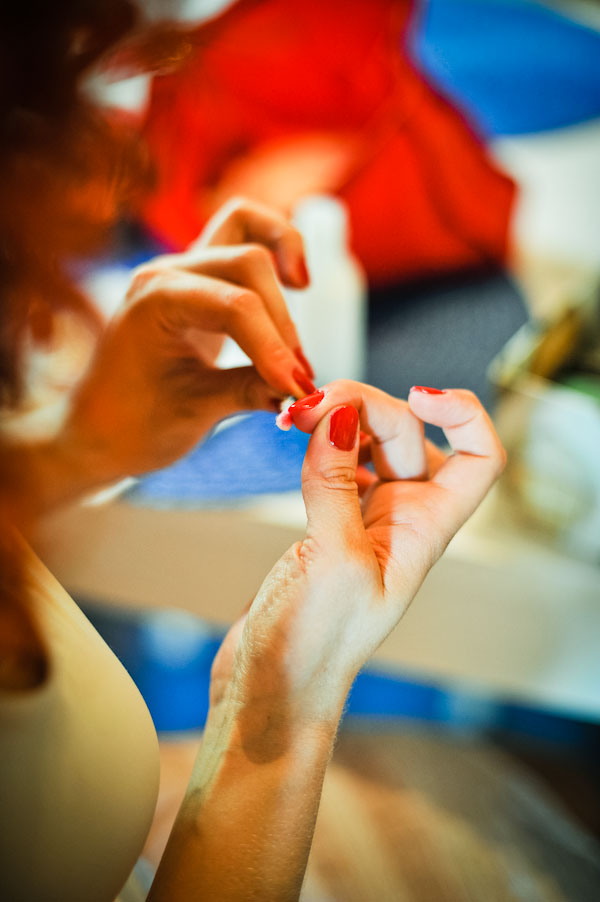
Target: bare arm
<point>152,389</point>
<point>281,678</point>
<point>245,828</point>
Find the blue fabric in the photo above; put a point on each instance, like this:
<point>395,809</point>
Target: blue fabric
<point>383,696</point>
<point>512,65</point>
<point>250,457</point>
<point>169,654</point>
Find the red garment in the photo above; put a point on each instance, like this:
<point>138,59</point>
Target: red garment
<point>287,96</point>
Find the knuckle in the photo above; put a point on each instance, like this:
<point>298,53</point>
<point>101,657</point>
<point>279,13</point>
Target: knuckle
<point>244,304</point>
<point>144,294</point>
<point>340,477</point>
<point>149,278</point>
<point>466,394</point>
<point>140,278</point>
<point>254,256</point>
<point>239,203</point>
<point>236,208</point>
<point>345,389</point>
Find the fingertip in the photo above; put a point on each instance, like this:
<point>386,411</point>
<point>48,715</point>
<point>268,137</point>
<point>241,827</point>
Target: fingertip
<point>424,397</point>
<point>427,390</point>
<point>291,261</point>
<point>302,274</point>
<point>285,375</point>
<point>302,380</point>
<point>300,407</point>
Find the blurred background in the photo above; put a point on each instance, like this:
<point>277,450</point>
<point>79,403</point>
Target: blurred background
<point>441,158</point>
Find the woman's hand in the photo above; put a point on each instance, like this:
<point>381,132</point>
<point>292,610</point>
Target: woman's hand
<point>152,389</point>
<point>281,676</point>
<point>334,597</point>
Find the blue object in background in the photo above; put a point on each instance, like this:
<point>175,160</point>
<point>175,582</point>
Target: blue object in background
<point>169,653</point>
<point>250,457</point>
<point>380,696</point>
<point>513,66</point>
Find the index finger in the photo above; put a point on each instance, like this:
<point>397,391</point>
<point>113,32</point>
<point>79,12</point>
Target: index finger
<point>242,221</point>
<point>477,457</point>
<point>182,304</point>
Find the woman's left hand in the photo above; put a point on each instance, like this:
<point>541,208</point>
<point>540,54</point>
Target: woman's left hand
<point>282,675</point>
<point>371,539</point>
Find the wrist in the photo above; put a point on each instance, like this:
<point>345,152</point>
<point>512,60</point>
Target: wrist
<point>73,467</point>
<point>269,727</point>
<point>52,472</point>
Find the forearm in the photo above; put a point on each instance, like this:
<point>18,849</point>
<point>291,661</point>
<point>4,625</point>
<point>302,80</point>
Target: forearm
<point>49,473</point>
<point>245,828</point>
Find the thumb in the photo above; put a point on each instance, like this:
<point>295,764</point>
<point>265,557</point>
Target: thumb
<point>220,393</point>
<point>329,479</point>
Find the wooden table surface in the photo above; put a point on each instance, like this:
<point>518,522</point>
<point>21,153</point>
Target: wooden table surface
<point>409,816</point>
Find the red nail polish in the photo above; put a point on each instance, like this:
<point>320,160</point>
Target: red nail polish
<point>302,272</point>
<point>300,355</point>
<point>306,403</point>
<point>428,391</point>
<point>342,428</point>
<point>303,381</point>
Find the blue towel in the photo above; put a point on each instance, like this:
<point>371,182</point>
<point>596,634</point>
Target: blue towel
<point>250,457</point>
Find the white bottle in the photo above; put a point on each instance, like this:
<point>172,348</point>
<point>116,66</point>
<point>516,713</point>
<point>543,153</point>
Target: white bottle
<point>331,314</point>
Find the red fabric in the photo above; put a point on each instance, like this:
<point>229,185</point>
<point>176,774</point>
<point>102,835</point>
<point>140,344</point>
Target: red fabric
<point>334,76</point>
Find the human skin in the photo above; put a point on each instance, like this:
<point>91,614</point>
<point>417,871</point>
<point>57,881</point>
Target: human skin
<point>281,678</point>
<point>152,389</point>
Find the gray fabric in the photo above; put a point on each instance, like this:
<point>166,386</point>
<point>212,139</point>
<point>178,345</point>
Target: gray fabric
<point>442,334</point>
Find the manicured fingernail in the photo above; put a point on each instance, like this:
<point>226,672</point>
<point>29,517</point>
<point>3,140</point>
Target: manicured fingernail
<point>303,381</point>
<point>428,391</point>
<point>342,428</point>
<point>300,355</point>
<point>306,403</point>
<point>302,272</point>
<point>363,436</point>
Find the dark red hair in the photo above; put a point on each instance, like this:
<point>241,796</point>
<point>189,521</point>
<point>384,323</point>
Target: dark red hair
<point>67,172</point>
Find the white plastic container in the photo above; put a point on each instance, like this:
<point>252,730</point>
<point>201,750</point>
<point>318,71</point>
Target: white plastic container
<point>331,314</point>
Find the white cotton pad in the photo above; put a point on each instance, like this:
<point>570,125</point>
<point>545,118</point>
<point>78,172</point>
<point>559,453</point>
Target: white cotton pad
<point>283,420</point>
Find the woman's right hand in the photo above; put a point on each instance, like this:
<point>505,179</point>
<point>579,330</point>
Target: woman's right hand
<point>152,388</point>
<point>335,596</point>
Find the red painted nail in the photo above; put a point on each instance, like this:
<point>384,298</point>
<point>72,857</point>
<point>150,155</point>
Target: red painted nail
<point>428,391</point>
<point>363,436</point>
<point>342,428</point>
<point>306,403</point>
<point>300,355</point>
<point>302,272</point>
<point>306,384</point>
